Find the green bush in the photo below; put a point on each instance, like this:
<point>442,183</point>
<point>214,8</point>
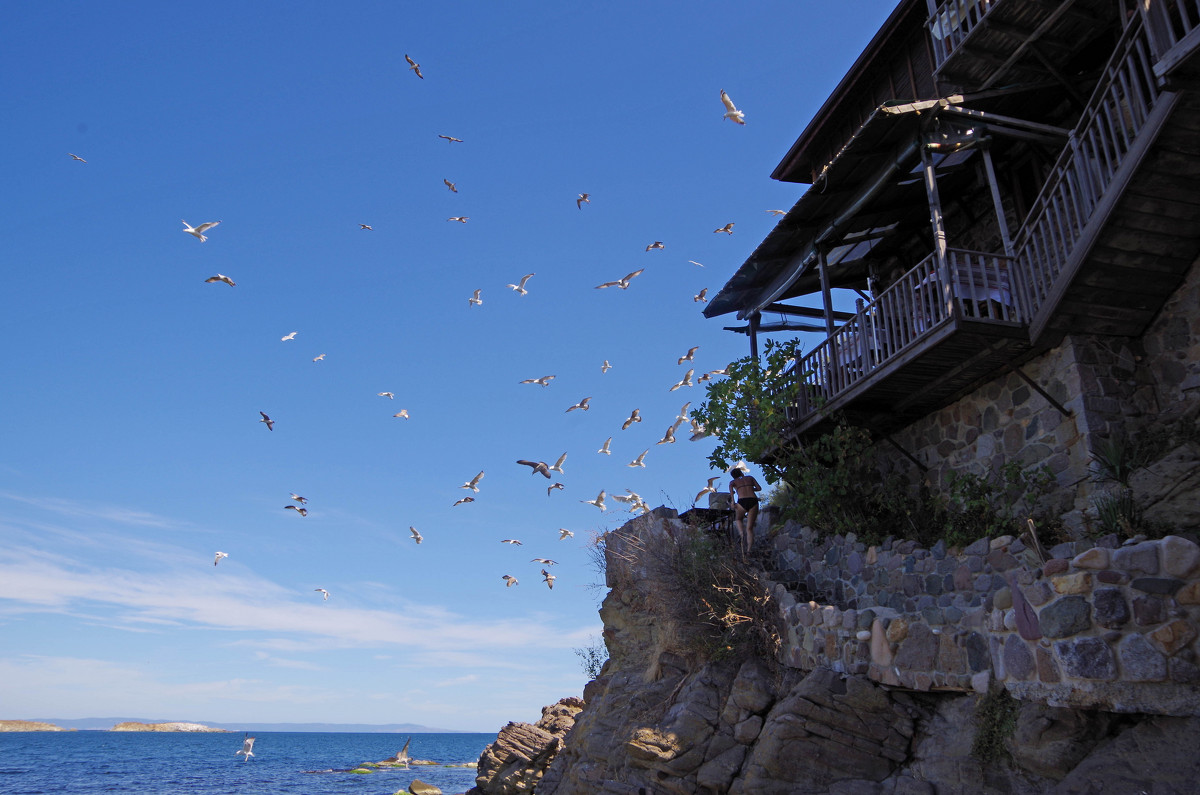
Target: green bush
<point>995,721</point>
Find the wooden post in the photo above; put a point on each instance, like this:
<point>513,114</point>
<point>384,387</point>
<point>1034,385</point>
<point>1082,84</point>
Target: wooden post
<point>939,231</point>
<point>990,168</point>
<point>822,267</point>
<point>754,335</point>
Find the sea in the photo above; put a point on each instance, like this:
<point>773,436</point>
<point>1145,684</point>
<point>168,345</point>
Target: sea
<point>163,763</point>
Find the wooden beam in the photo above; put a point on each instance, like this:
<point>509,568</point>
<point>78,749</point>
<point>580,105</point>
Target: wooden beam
<point>823,268</point>
<point>805,311</point>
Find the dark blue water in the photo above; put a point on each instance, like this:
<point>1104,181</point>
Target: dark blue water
<point>145,763</point>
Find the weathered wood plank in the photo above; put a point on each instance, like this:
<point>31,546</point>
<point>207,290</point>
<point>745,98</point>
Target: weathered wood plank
<point>1138,260</point>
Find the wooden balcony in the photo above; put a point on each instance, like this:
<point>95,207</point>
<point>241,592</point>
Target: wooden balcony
<point>1173,29</point>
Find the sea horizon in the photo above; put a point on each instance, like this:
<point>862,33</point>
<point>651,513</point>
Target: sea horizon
<point>107,723</point>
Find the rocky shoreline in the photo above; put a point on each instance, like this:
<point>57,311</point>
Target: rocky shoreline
<point>172,726</point>
<point>29,726</point>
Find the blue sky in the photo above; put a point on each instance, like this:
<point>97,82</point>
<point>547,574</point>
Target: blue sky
<point>131,449</point>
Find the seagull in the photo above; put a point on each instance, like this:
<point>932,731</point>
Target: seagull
<point>509,581</point>
<point>632,497</point>
<point>552,488</point>
<point>583,404</point>
<point>564,534</point>
<point>289,336</point>
<point>297,509</point>
<point>323,592</point>
<point>473,483</point>
<point>777,212</point>
<point>475,300</point>
<point>199,231</point>
<point>639,461</point>
<point>402,413</point>
<point>451,139</point>
<point>698,431</point>
<point>512,541</point>
<point>415,535</point>
<point>604,368</point>
<point>520,286</point>
<point>668,437</point>
<point>701,297</point>
<point>727,229</point>
<point>388,395</point>
<point>543,381</point>
<point>636,416</point>
<point>703,378</point>
<point>544,561</point>
<point>81,160</point>
<point>462,219</point>
<point>403,758</point>
<point>414,66</point>
<point>299,499</point>
<point>368,227</point>
<point>557,465</point>
<point>464,499</point>
<point>548,578</point>
<point>687,380</point>
<point>731,112</point>
<point>598,502</point>
<point>689,356</point>
<point>709,489</point>
<point>623,283</point>
<point>220,277</point>
<point>695,263</point>
<point>247,749</point>
<point>604,448</point>
<point>582,200</point>
<point>270,422</point>
<point>538,466</point>
<point>220,555</point>
<point>450,185</point>
<point>682,416</point>
<point>318,358</point>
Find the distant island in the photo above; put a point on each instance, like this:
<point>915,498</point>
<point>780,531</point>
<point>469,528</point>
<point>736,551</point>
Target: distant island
<point>137,724</point>
<point>172,726</point>
<point>29,726</point>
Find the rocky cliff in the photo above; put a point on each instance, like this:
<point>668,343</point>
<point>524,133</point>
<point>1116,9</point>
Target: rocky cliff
<point>680,708</point>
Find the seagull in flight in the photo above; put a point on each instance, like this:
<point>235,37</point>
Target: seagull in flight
<point>462,219</point>
<point>598,502</point>
<point>636,416</point>
<point>220,277</point>
<point>701,297</point>
<point>220,555</point>
<point>475,300</point>
<point>549,579</point>
<point>297,509</point>
<point>544,561</point>
<point>695,263</point>
<point>199,231</point>
<point>538,466</point>
<point>323,592</point>
<point>583,404</point>
<point>669,436</point>
<point>270,422</point>
<point>450,185</point>
<point>402,414</point>
<point>604,368</point>
<point>388,395</point>
<point>557,465</point>
<point>689,356</point>
<point>698,431</point>
<point>289,336</point>
<point>513,541</point>
<point>77,157</point>
<point>564,534</point>
<point>543,381</point>
<point>731,111</point>
<point>299,499</point>
<point>247,749</point>
<point>509,581</point>
<point>318,358</point>
<point>553,487</point>
<point>709,489</point>
<point>727,229</point>
<point>473,483</point>
<point>682,416</point>
<point>367,227</point>
<point>464,499</point>
<point>414,66</point>
<point>584,198</point>
<point>520,286</point>
<point>451,139</point>
<point>415,535</point>
<point>777,212</point>
<point>623,283</point>
<point>687,380</point>
<point>604,448</point>
<point>655,244</point>
<point>639,461</point>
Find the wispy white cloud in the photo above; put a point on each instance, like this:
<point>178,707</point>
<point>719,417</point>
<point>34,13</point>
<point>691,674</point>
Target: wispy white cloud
<point>84,510</point>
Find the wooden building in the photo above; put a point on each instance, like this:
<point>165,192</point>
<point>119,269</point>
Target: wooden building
<point>1011,187</point>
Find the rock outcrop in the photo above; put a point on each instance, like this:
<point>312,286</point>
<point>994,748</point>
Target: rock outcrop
<point>173,726</point>
<point>29,726</point>
<point>517,760</point>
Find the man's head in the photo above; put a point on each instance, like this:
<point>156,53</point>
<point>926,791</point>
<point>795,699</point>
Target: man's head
<point>736,473</point>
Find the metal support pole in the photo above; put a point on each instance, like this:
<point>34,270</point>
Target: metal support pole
<point>990,169</point>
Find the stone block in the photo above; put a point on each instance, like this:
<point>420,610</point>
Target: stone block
<point>1165,586</point>
<point>1094,558</point>
<point>1039,593</point>
<point>1068,616</point>
<point>1055,566</point>
<point>1046,667</point>
<point>918,651</point>
<point>1078,583</point>
<point>1018,661</point>
<point>897,630</point>
<point>1086,658</point>
<point>1002,599</point>
<point>1140,661</point>
<point>1180,557</point>
<point>1112,577</point>
<point>1172,637</point>
<point>1109,608</point>
<point>1141,557</point>
<point>1188,594</point>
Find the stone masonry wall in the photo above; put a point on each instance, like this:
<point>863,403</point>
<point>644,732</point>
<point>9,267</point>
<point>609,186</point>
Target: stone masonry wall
<point>1103,626</point>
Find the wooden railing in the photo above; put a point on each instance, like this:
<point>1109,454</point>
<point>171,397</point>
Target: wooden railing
<point>1115,114</point>
<point>979,286</point>
<point>1170,23</point>
<point>952,24</point>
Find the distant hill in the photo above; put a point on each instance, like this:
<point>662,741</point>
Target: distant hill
<point>104,724</point>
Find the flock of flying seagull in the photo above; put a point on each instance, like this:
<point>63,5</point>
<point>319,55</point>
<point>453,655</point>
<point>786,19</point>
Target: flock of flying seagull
<point>631,499</point>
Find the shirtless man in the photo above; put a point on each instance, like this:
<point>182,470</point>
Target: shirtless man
<point>745,509</point>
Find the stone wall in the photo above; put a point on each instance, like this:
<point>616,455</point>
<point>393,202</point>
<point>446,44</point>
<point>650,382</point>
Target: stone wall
<point>1097,626</point>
